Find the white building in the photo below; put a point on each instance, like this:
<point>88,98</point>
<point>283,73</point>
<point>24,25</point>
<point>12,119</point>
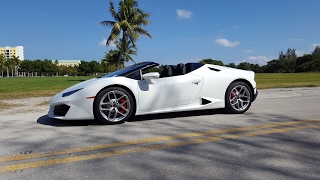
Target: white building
<point>12,51</point>
<point>67,62</point>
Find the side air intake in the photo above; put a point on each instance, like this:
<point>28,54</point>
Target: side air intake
<point>204,101</point>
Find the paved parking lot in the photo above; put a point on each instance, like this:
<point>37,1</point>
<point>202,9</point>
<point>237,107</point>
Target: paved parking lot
<point>278,138</point>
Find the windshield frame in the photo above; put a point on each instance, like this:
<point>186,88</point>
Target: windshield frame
<point>131,69</point>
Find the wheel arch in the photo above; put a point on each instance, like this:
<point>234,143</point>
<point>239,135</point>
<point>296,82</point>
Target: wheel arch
<point>124,87</point>
<point>244,81</point>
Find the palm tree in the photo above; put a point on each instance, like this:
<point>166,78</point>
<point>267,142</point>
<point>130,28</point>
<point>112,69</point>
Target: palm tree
<point>8,64</point>
<point>16,63</point>
<point>126,50</point>
<point>2,61</point>
<point>127,24</point>
<point>111,59</point>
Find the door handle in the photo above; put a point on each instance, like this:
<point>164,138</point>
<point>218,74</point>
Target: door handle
<point>196,82</point>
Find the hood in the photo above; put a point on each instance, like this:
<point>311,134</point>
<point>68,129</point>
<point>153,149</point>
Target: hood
<point>84,84</point>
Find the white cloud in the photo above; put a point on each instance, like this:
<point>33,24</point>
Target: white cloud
<point>249,51</point>
<point>226,43</point>
<point>184,14</point>
<point>261,60</point>
<point>315,45</point>
<point>104,41</point>
<point>300,53</point>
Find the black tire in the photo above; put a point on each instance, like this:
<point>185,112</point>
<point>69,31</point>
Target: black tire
<point>113,105</point>
<point>238,97</point>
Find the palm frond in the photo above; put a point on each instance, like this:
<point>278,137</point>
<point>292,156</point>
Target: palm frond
<point>107,23</point>
<point>113,12</point>
<point>126,29</point>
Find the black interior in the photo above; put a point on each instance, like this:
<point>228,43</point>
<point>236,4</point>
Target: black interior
<point>179,69</point>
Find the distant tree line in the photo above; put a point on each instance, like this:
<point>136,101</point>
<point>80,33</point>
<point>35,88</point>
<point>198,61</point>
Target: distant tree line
<point>287,62</point>
<point>48,68</point>
<point>14,67</point>
<point>9,65</point>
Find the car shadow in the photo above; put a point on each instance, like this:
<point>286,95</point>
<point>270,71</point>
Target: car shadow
<point>177,115</point>
<point>45,120</point>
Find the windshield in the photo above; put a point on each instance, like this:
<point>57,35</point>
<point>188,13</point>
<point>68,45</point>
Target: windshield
<point>129,69</point>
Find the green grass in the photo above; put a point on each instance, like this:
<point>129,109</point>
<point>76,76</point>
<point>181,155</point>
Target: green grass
<point>22,87</point>
<point>287,80</point>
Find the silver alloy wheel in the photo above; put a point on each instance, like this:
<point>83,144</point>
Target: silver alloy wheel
<point>240,97</point>
<point>114,106</point>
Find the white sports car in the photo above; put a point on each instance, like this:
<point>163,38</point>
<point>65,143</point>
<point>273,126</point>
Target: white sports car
<point>130,91</point>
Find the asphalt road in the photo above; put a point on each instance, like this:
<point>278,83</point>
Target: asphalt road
<point>278,138</point>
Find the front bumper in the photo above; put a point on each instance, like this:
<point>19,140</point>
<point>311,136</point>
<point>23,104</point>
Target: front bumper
<point>71,108</point>
<point>255,96</point>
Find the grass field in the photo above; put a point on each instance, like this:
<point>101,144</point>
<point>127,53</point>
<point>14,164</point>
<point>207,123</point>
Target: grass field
<point>20,87</point>
<point>287,80</point>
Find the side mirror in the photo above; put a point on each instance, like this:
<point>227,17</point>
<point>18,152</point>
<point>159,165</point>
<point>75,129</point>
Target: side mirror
<point>149,76</point>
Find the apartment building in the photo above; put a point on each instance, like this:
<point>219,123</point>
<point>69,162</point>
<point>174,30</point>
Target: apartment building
<point>67,62</point>
<point>12,51</point>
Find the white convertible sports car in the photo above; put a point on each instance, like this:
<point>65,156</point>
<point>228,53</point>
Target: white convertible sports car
<point>130,91</point>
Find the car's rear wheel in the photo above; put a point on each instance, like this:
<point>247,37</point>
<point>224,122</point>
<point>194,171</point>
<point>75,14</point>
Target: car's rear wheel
<point>238,97</point>
<point>113,105</point>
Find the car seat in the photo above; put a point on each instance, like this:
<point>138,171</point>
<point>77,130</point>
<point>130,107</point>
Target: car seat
<point>180,69</point>
<point>167,71</point>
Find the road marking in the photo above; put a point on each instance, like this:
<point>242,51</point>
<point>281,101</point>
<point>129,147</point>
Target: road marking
<point>146,140</point>
<point>262,130</point>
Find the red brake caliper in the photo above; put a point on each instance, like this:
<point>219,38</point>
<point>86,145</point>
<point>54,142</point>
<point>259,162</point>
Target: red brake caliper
<point>124,105</point>
<point>231,95</point>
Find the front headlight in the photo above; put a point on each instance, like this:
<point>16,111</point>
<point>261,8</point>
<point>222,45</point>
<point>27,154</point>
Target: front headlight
<point>70,92</point>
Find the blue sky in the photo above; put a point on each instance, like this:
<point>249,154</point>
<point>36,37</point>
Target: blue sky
<point>254,31</point>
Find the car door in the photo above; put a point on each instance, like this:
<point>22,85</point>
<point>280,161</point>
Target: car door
<point>168,91</point>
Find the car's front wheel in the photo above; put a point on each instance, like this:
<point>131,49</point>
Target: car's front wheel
<point>113,105</point>
<point>238,97</point>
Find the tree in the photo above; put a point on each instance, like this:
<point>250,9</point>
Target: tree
<point>290,61</point>
<point>111,59</point>
<point>27,66</point>
<point>244,66</point>
<point>255,68</point>
<point>286,63</point>
<point>2,63</point>
<point>211,61</point>
<point>309,62</point>
<point>84,68</point>
<point>291,54</point>
<point>275,66</point>
<point>127,24</point>
<point>126,51</point>
<point>281,56</point>
<point>95,67</point>
<point>15,63</point>
<point>316,51</point>
<point>37,66</point>
<point>232,65</point>
<point>68,70</point>
<point>48,67</point>
<point>8,64</point>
